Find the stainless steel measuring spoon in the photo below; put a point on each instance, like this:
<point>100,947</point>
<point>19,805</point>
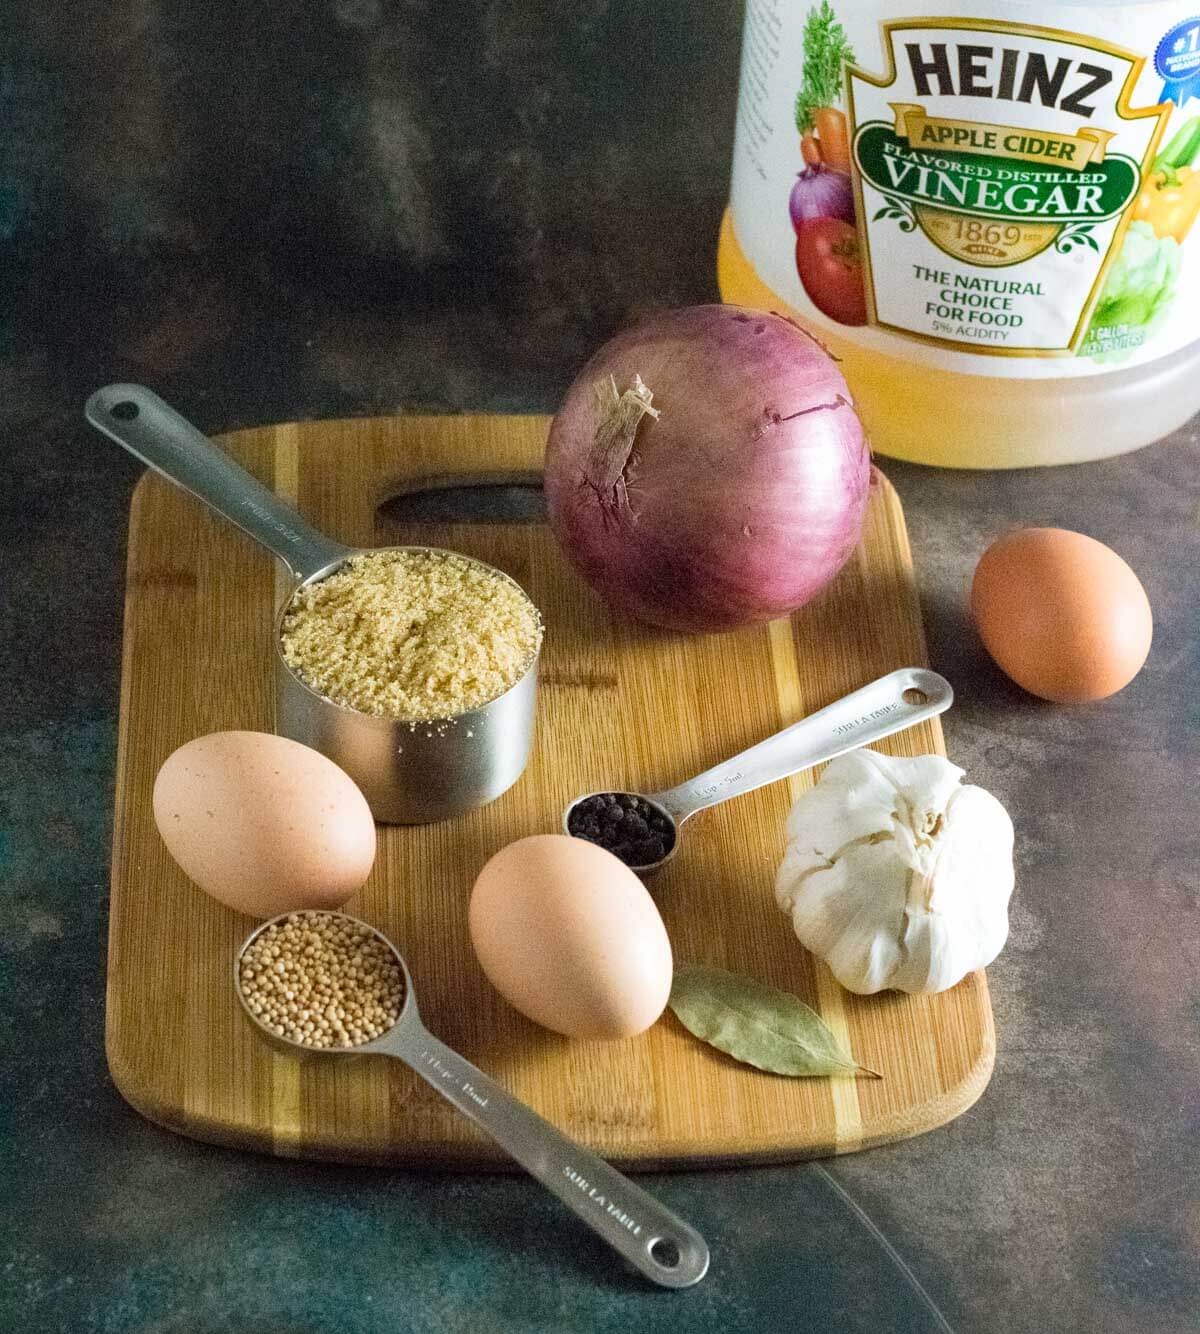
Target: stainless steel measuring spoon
<point>410,773</point>
<point>890,704</point>
<point>653,1239</point>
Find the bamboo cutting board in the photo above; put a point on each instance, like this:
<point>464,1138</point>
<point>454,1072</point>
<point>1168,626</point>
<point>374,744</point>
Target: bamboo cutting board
<point>620,705</point>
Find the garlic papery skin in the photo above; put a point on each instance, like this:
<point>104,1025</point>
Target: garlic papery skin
<point>897,873</point>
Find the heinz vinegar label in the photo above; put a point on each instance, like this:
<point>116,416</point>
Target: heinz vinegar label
<point>981,191</point>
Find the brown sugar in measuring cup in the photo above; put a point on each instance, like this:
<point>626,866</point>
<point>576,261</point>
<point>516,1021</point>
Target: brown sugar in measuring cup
<point>412,770</point>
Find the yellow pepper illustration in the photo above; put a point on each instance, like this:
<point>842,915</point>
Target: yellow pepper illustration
<point>1170,197</point>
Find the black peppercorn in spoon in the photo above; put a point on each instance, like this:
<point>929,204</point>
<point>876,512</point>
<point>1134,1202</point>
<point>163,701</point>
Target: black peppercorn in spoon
<point>643,830</point>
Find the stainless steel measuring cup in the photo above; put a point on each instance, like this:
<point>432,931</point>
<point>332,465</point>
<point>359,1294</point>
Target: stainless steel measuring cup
<point>890,704</point>
<point>630,1220</point>
<point>410,773</point>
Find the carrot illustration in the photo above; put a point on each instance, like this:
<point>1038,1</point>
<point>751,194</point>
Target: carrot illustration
<point>810,151</point>
<point>834,134</point>
<point>826,52</point>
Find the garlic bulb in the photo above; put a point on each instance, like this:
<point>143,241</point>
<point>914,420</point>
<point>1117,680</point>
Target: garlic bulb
<point>897,874</point>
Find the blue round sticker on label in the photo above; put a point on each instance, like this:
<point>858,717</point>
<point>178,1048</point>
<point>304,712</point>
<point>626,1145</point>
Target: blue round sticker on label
<point>1177,59</point>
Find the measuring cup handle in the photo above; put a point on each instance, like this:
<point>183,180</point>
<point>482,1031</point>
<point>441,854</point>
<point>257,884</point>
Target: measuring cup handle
<point>155,433</point>
<point>890,704</point>
<point>633,1222</point>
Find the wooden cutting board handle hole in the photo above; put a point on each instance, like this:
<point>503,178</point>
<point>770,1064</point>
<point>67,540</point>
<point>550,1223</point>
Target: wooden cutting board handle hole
<point>510,497</point>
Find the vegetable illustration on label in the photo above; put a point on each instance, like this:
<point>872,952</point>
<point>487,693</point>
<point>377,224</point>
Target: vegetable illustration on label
<point>1137,293</point>
<point>1170,198</point>
<point>1142,283</point>
<point>818,114</point>
<point>822,200</point>
<point>830,266</point>
<point>996,164</point>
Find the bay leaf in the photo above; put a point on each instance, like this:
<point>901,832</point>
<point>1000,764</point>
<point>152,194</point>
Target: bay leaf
<point>754,1023</point>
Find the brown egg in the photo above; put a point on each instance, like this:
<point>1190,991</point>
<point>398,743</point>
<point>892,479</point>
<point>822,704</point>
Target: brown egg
<point>264,824</point>
<point>1061,613</point>
<point>569,936</point>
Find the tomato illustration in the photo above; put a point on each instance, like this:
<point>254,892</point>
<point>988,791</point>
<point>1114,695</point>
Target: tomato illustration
<point>830,267</point>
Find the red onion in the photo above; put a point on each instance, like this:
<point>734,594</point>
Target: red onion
<point>821,193</point>
<point>708,470</point>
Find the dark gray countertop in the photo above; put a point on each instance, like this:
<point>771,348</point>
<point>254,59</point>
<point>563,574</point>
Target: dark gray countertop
<point>302,211</point>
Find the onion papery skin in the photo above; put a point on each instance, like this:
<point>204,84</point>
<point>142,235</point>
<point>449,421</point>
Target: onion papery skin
<point>741,501</point>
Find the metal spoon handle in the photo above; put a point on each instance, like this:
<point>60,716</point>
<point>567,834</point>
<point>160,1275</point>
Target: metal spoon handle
<point>154,432</point>
<point>633,1223</point>
<point>888,705</point>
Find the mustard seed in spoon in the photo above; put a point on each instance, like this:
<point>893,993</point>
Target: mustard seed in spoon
<point>322,980</point>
